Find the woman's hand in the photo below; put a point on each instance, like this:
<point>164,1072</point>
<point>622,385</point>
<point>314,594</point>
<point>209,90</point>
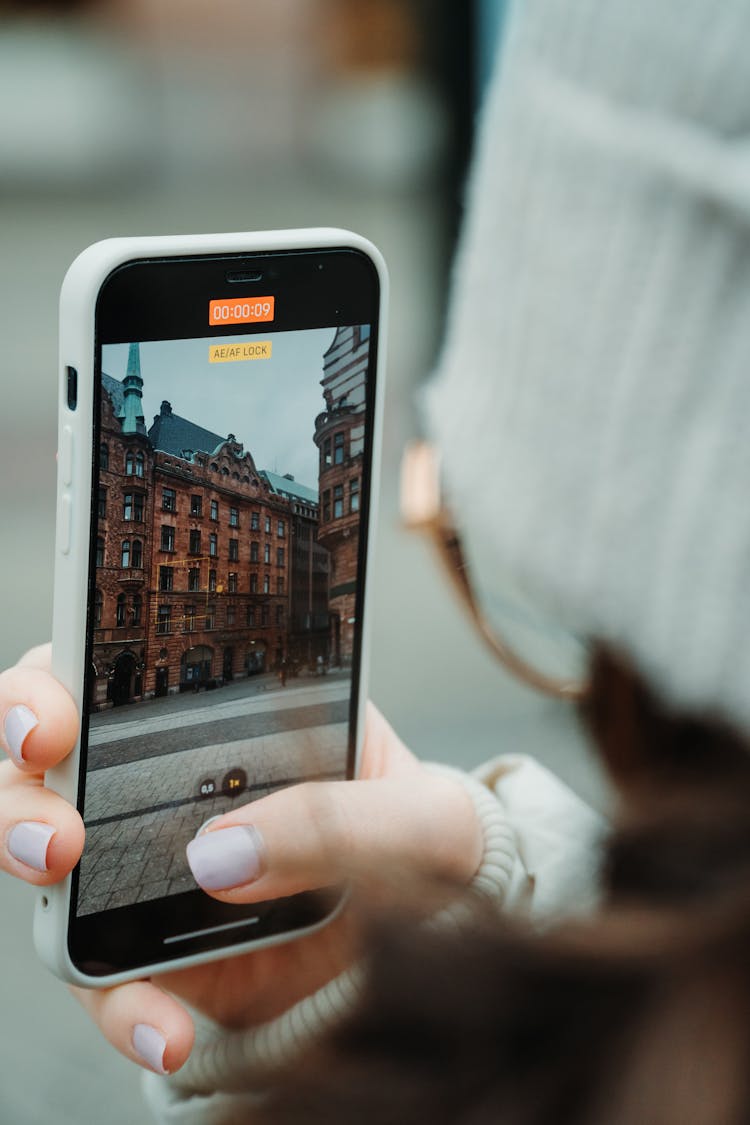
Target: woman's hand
<point>398,815</point>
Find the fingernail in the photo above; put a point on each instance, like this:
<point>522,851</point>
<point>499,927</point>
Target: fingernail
<point>28,842</point>
<point>150,1045</point>
<point>228,857</point>
<point>19,722</point>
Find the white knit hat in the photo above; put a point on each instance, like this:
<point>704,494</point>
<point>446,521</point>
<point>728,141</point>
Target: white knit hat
<point>593,398</point>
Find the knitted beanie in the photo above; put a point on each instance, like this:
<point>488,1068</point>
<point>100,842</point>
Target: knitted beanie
<point>592,401</point>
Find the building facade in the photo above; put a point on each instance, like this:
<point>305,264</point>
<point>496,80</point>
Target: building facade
<point>309,633</point>
<point>340,437</point>
<point>197,574</point>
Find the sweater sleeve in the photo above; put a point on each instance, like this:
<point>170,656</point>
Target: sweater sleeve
<point>559,839</point>
<point>541,856</point>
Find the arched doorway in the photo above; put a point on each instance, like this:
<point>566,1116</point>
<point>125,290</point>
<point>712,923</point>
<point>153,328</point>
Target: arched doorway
<point>123,679</point>
<point>195,666</point>
<point>227,671</point>
<point>255,658</point>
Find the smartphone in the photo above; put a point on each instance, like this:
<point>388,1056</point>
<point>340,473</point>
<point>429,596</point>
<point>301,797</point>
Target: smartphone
<point>220,415</point>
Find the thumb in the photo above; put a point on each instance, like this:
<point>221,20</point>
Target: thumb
<point>315,834</point>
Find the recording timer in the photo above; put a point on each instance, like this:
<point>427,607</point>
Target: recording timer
<point>241,310</point>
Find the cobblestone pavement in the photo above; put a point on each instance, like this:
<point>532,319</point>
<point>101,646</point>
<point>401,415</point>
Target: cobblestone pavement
<point>262,686</point>
<point>155,778</point>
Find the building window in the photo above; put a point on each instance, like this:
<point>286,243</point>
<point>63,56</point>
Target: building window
<point>133,506</point>
<point>188,620</point>
<point>101,509</point>
<point>230,614</point>
<point>267,553</point>
<point>254,521</point>
<point>214,509</point>
<point>354,495</point>
<point>194,578</point>
<point>234,550</point>
<point>136,554</point>
<point>168,500</point>
<point>104,456</point>
<point>234,517</point>
<point>266,584</point>
<point>196,505</point>
<point>120,616</point>
<point>279,585</point>
<point>264,615</point>
<point>326,453</point>
<point>253,583</point>
<point>268,525</point>
<point>279,615</point>
<point>326,506</point>
<point>253,552</point>
<point>166,577</point>
<point>338,500</point>
<point>213,545</point>
<point>164,619</point>
<point>250,616</point>
<point>167,537</point>
<point>194,542</point>
<point>232,584</point>
<point>338,448</point>
<point>211,617</point>
<point>125,553</point>
<point>280,529</point>
<point>136,609</point>
<point>100,551</point>
<point>134,464</point>
<point>98,609</point>
<point>212,581</point>
<point>279,556</point>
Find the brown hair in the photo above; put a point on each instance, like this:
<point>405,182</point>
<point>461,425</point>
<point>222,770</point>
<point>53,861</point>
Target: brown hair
<point>639,1016</point>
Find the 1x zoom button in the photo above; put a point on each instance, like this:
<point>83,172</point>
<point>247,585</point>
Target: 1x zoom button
<point>64,525</point>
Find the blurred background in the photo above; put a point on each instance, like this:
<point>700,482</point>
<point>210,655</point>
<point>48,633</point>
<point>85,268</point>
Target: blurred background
<point>165,116</point>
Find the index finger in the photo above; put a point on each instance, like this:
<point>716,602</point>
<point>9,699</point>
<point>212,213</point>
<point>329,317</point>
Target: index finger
<point>313,834</point>
<point>38,718</point>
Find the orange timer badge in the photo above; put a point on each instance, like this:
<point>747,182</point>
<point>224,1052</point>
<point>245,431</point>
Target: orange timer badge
<point>242,310</point>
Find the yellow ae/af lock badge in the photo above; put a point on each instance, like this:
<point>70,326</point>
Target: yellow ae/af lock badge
<point>233,353</point>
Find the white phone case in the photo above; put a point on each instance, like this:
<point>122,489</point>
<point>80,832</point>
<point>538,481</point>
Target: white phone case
<point>77,347</point>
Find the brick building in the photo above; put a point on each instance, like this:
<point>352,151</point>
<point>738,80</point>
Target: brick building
<point>123,543</point>
<point>308,631</point>
<point>339,436</point>
<point>196,577</point>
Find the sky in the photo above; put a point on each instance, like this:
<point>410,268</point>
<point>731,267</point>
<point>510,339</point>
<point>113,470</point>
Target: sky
<point>268,404</point>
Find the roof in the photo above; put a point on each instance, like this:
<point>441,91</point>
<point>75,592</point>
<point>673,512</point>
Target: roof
<point>114,389</point>
<point>170,433</point>
<point>290,487</point>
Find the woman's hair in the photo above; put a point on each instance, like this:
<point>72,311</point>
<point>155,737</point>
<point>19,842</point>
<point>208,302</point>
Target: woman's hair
<point>637,1017</point>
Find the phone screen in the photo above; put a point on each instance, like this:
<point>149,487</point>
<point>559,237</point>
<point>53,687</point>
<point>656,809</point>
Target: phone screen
<point>231,449</point>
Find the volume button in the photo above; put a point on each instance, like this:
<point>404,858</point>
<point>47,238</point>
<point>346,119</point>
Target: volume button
<point>66,455</point>
<point>66,517</point>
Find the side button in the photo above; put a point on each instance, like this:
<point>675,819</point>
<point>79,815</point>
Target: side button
<point>66,513</point>
<point>66,455</point>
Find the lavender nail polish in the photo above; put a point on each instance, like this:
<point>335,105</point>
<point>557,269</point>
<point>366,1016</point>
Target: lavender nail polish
<point>150,1045</point>
<point>28,842</point>
<point>228,857</point>
<point>19,722</point>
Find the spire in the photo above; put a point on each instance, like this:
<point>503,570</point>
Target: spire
<point>131,417</point>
